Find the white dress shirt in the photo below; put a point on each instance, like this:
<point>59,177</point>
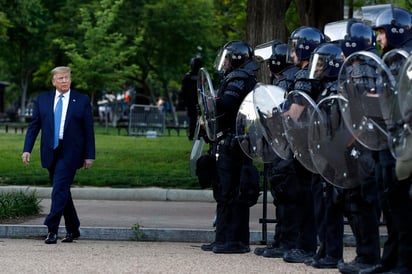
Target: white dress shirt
<point>65,99</point>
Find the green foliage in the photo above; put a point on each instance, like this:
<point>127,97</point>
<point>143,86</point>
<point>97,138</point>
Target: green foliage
<point>121,161</point>
<point>98,58</point>
<point>23,51</point>
<point>19,204</point>
<point>231,18</point>
<point>4,25</point>
<point>138,234</point>
<point>292,18</point>
<point>170,39</point>
<point>107,42</point>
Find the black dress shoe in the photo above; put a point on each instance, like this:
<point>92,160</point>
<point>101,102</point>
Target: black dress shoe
<point>276,252</point>
<point>51,238</point>
<point>231,248</point>
<point>378,268</point>
<point>326,262</point>
<point>259,251</point>
<point>353,267</point>
<point>209,247</point>
<point>70,236</point>
<point>297,256</point>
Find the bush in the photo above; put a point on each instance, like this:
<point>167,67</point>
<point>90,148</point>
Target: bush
<point>18,204</point>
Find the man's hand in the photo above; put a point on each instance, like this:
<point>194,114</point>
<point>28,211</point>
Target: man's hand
<point>88,163</point>
<point>26,157</point>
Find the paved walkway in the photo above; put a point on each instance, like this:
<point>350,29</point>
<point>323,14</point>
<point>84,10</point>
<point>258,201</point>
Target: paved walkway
<point>88,256</point>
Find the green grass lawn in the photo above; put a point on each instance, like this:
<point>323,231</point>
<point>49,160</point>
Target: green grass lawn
<point>121,161</point>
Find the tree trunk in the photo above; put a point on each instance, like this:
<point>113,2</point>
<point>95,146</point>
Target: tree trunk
<point>316,13</point>
<point>266,22</point>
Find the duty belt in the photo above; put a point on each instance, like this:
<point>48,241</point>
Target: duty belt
<point>227,139</point>
<point>222,134</point>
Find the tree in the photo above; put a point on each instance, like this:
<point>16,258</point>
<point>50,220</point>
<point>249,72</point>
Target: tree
<point>266,20</point>
<point>4,25</point>
<point>169,39</point>
<point>98,59</point>
<point>25,47</point>
<point>230,16</point>
<point>262,19</point>
<point>311,15</point>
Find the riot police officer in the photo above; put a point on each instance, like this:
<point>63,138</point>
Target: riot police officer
<point>281,174</point>
<point>236,60</point>
<point>394,30</point>
<point>326,61</point>
<point>301,43</point>
<point>360,203</point>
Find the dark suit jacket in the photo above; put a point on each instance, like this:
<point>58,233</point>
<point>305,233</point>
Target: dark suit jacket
<point>78,139</point>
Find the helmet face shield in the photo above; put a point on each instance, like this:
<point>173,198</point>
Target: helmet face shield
<point>336,31</point>
<point>278,60</point>
<point>264,51</point>
<point>219,64</point>
<point>233,55</point>
<point>325,61</point>
<point>317,66</point>
<point>292,44</point>
<point>303,41</point>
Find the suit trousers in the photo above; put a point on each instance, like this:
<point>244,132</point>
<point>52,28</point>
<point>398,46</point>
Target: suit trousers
<point>62,178</point>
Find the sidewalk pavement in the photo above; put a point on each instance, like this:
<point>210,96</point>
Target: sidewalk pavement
<point>147,214</point>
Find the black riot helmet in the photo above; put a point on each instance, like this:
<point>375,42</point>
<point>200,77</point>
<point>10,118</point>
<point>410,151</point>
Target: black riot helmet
<point>397,24</point>
<point>326,61</point>
<point>304,40</point>
<point>236,53</point>
<point>359,36</point>
<point>278,60</point>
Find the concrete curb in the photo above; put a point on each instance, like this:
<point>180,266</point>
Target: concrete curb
<point>126,194</point>
<point>139,234</point>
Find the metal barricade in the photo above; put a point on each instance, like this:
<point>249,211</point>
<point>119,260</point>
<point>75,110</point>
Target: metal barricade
<point>145,118</point>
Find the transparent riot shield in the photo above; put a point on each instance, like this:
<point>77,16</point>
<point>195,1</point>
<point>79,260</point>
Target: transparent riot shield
<point>336,30</point>
<point>197,149</point>
<point>207,103</point>
<point>394,60</point>
<point>398,134</point>
<point>365,80</point>
<point>250,134</point>
<point>405,92</point>
<point>333,147</point>
<point>297,112</point>
<point>264,51</point>
<point>401,133</point>
<point>268,101</point>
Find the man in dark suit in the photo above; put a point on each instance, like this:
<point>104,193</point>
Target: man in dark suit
<point>65,119</point>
